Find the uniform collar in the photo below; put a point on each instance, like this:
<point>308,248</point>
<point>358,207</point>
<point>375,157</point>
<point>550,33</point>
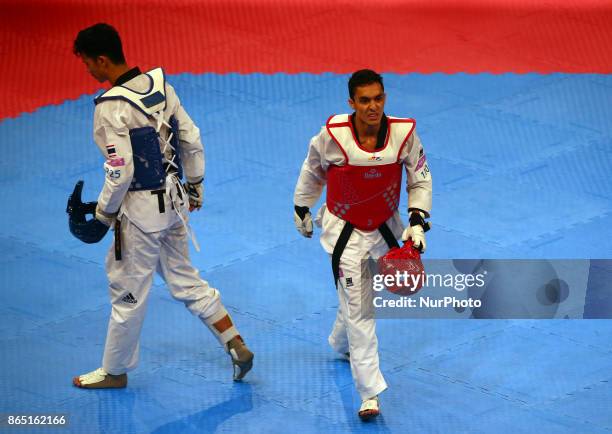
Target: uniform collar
<point>124,78</point>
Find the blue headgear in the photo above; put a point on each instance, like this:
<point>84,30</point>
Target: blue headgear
<point>89,231</point>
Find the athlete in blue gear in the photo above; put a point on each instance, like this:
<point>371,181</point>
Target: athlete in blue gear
<point>149,142</point>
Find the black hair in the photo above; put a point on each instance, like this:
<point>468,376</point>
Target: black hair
<point>99,40</point>
<point>363,77</point>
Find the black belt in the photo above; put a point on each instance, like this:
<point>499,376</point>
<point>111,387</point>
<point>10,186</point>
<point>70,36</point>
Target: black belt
<point>160,198</point>
<point>343,240</point>
<point>117,240</point>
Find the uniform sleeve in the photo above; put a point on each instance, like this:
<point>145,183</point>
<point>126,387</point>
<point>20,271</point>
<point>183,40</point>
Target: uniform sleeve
<point>313,175</point>
<point>418,179</point>
<point>191,148</point>
<point>111,134</point>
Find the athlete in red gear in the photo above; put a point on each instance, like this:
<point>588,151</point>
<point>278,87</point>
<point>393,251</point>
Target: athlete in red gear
<point>360,157</point>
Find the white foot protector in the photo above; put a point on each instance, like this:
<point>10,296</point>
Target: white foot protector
<point>369,408</point>
<point>93,376</point>
<point>100,379</point>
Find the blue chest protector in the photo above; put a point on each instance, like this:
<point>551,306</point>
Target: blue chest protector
<point>150,166</point>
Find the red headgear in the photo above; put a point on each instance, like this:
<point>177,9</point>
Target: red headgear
<point>405,265</point>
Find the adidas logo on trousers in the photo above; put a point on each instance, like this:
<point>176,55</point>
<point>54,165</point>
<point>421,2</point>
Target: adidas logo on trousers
<point>129,299</point>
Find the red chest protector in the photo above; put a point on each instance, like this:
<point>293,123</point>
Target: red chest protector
<point>366,190</point>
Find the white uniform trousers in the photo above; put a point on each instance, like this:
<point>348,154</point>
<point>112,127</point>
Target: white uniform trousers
<point>355,329</point>
<point>130,280</point>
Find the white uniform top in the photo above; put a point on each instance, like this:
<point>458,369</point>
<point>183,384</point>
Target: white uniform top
<point>324,152</point>
<point>113,119</point>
